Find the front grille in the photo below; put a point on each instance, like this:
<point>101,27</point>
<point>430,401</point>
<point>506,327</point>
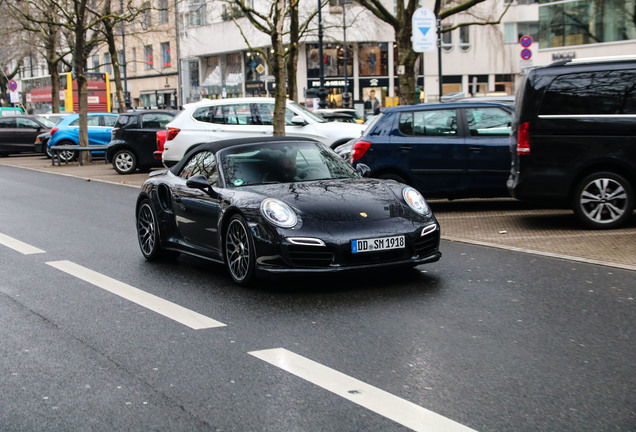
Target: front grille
<point>424,246</point>
<point>310,256</point>
<point>364,258</point>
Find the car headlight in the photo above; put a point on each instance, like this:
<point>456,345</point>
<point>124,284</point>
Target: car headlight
<point>415,200</point>
<point>278,213</point>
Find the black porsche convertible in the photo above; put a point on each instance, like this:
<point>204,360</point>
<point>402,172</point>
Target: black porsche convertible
<point>282,205</point>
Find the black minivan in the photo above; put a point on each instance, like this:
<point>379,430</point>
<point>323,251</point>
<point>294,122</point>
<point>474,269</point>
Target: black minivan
<point>573,140</point>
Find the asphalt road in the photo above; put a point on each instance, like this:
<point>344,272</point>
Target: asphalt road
<point>487,339</point>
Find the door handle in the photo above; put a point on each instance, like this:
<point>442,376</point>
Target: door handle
<point>405,147</point>
<point>475,148</point>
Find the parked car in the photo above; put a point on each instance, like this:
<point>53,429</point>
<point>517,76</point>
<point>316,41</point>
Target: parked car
<point>41,144</point>
<point>161,141</point>
<point>338,117</point>
<point>574,139</point>
<point>134,140</point>
<point>66,132</point>
<point>55,117</point>
<point>279,205</point>
<point>11,111</point>
<point>348,111</point>
<point>18,133</point>
<point>445,150</point>
<point>212,120</point>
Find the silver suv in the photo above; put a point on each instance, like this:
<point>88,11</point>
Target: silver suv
<point>218,119</point>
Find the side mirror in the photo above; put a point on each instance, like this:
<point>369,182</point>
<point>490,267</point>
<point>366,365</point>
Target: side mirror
<point>298,121</point>
<point>201,182</point>
<point>363,170</point>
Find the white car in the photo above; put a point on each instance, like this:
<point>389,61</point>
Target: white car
<point>218,119</point>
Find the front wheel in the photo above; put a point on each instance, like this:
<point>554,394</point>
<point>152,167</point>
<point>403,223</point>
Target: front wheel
<point>125,162</point>
<point>239,251</point>
<point>148,232</point>
<point>603,200</point>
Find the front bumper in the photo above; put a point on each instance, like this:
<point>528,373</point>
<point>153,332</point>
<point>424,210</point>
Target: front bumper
<point>334,253</point>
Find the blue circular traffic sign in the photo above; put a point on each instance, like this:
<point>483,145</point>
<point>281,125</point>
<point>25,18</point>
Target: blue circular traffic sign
<point>526,41</point>
<point>526,54</point>
<point>13,86</point>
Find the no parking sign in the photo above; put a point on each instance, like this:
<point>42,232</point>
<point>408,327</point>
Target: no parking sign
<point>13,85</point>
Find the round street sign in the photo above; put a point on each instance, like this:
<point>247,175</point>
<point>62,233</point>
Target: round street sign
<point>526,41</point>
<point>526,54</point>
<point>13,86</point>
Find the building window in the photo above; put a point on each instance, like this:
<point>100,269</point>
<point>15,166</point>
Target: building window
<point>165,55</point>
<point>447,39</point>
<point>148,55</point>
<point>145,18</point>
<point>134,59</point>
<point>120,57</point>
<point>373,59</point>
<point>163,11</point>
<point>464,38</point>
<point>107,65</point>
<point>198,11</point>
<point>575,22</point>
<point>96,63</point>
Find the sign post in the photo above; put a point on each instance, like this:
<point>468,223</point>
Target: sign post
<point>423,24</point>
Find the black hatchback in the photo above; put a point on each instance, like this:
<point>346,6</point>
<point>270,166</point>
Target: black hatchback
<point>134,140</point>
<point>444,150</point>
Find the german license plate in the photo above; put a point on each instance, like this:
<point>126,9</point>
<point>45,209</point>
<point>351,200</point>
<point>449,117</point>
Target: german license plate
<point>377,244</point>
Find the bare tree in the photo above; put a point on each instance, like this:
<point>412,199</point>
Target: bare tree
<point>402,24</point>
<point>43,23</point>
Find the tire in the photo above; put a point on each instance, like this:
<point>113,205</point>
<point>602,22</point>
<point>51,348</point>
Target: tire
<point>603,200</point>
<point>67,155</point>
<point>148,232</point>
<point>391,176</point>
<point>47,152</point>
<point>239,251</point>
<point>125,162</point>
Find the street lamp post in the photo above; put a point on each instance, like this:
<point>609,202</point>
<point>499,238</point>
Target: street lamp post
<point>322,93</point>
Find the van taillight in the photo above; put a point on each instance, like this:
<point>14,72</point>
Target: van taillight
<point>359,149</point>
<point>172,133</point>
<point>523,139</point>
<point>54,130</point>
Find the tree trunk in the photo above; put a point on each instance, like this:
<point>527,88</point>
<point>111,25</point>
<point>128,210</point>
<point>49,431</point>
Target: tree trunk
<point>79,64</point>
<point>280,93</point>
<point>292,51</point>
<point>114,59</point>
<point>406,57</point>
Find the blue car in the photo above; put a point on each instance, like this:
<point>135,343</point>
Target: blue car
<point>66,132</point>
<point>444,150</point>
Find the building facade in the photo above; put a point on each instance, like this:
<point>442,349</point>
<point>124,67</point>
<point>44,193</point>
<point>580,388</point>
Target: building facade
<point>181,51</point>
<point>476,60</point>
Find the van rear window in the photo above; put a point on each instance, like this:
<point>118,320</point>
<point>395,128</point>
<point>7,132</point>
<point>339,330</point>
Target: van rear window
<point>601,92</point>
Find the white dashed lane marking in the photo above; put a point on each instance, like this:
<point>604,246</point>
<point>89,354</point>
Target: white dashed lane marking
<point>163,307</point>
<point>383,403</point>
<point>19,246</point>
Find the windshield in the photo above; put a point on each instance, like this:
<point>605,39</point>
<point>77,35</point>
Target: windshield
<point>46,122</point>
<point>286,162</point>
<point>306,112</point>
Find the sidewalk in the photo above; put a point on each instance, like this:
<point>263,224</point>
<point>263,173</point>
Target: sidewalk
<point>502,223</point>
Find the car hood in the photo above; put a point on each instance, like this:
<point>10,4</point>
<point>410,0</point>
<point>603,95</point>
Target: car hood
<point>338,200</point>
<point>339,128</point>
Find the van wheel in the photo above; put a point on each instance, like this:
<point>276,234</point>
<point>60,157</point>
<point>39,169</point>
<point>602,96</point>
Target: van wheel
<point>603,200</point>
